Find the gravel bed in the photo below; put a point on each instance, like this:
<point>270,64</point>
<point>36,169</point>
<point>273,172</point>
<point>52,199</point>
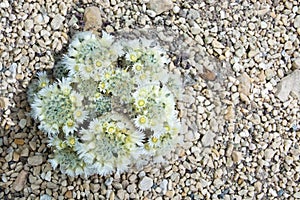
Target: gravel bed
<point>240,62</point>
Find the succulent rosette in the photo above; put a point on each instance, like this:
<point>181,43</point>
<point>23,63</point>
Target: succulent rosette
<point>111,103</point>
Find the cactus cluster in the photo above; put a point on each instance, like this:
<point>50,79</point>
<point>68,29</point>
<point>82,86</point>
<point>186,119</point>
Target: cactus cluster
<point>111,104</point>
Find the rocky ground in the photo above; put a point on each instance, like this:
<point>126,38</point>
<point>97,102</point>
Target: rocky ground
<point>240,61</point>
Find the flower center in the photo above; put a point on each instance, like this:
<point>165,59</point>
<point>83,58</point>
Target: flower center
<point>72,141</point>
<point>154,139</point>
<point>70,123</point>
<point>142,120</point>
<point>98,64</point>
<point>133,58</point>
<point>141,103</point>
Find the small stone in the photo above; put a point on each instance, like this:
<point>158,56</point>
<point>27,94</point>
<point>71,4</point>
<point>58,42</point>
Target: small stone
<point>45,197</point>
<point>35,160</point>
<point>195,29</point>
<point>41,19</point>
<point>69,194</point>
<point>269,74</point>
<point>112,196</point>
<point>297,195</point>
<point>217,44</point>
<point>269,153</point>
<point>4,102</point>
<point>237,67</point>
<point>48,176</point>
<point>240,52</point>
<point>288,45</point>
<point>151,13</point>
<point>253,53</point>
<point>296,63</point>
<point>109,181</point>
<point>272,192</point>
<point>73,21</point>
<point>244,98</point>
<point>160,6</point>
<point>146,183</point>
<point>245,84</point>
<point>32,145</point>
<point>288,84</point>
<point>176,9</point>
<point>280,73</point>
<point>21,135</point>
<point>263,25</point>
<point>208,75</point>
<point>51,185</point>
<point>131,188</point>
<point>92,18</point>
<point>57,22</point>
<point>121,194</point>
<point>208,138</point>
<point>20,181</point>
<point>25,152</point>
<point>297,22</point>
<point>229,113</point>
<point>236,156</point>
<point>22,123</point>
<point>19,141</point>
<point>262,76</point>
<point>28,24</point>
<point>170,193</point>
<point>164,186</point>
<point>95,187</point>
<point>16,156</point>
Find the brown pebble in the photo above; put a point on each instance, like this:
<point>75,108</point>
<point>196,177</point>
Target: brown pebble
<point>208,75</point>
<point>16,156</point>
<point>20,181</point>
<point>69,194</point>
<point>240,181</point>
<point>92,18</point>
<point>19,141</point>
<point>3,102</point>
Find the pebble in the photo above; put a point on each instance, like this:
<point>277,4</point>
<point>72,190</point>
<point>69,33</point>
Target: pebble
<point>176,9</point>
<point>217,44</point>
<point>208,138</point>
<point>131,188</point>
<point>297,22</point>
<point>160,6</point>
<point>164,186</point>
<point>92,18</point>
<point>195,29</point>
<point>236,156</point>
<point>69,194</point>
<point>146,183</point>
<point>263,25</point>
<point>121,194</point>
<point>19,141</point>
<point>57,22</point>
<point>245,84</point>
<point>296,63</point>
<point>28,24</point>
<point>45,197</point>
<point>297,195</point>
<point>22,123</point>
<point>258,186</point>
<point>253,53</point>
<point>288,84</point>
<point>35,160</point>
<point>4,102</point>
<point>20,181</point>
<point>269,153</point>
